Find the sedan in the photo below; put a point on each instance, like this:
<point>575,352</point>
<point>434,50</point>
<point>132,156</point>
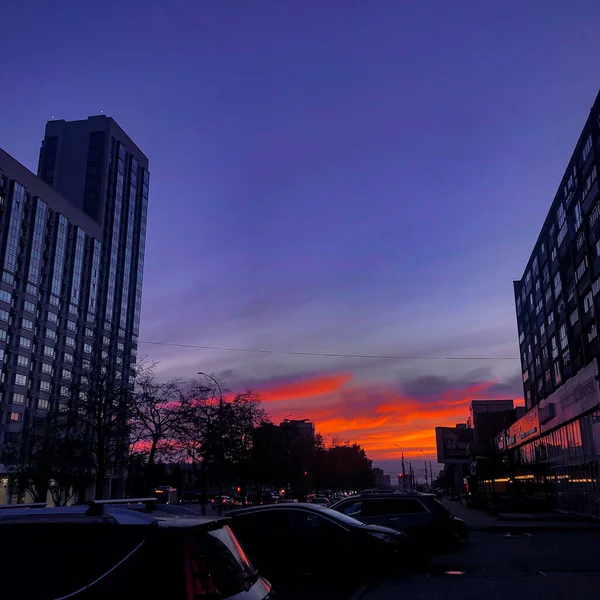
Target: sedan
<point>292,542</point>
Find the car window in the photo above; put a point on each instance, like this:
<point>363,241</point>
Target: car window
<point>377,507</point>
<point>352,509</point>
<point>304,521</point>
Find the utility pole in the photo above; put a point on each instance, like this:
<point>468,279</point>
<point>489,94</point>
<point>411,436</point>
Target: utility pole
<point>430,473</point>
<point>403,473</point>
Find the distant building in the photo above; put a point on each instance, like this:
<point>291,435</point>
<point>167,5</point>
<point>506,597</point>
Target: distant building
<point>381,479</point>
<point>298,428</point>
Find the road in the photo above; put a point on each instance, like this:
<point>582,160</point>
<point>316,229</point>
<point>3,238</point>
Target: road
<point>497,566</point>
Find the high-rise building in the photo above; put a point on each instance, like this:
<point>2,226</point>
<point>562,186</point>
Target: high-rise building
<point>71,264</point>
<point>557,297</point>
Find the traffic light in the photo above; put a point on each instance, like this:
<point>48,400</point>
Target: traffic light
<point>400,475</point>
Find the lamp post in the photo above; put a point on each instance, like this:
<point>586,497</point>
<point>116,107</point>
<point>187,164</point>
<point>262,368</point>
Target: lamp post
<point>221,449</point>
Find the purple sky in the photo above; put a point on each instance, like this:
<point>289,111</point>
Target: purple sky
<point>325,176</point>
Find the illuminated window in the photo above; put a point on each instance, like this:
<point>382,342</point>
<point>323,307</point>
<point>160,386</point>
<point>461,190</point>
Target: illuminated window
<point>22,361</point>
<point>20,379</point>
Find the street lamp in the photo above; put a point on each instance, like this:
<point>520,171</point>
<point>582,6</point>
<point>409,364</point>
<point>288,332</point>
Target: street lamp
<point>221,449</point>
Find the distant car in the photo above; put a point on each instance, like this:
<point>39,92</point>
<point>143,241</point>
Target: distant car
<point>289,542</point>
<point>115,550</point>
<point>420,516</point>
<point>320,500</point>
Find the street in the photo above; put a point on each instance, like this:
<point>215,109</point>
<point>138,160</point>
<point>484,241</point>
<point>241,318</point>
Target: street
<point>494,565</point>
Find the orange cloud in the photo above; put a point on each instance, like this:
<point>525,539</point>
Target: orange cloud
<point>384,421</point>
<point>308,388</point>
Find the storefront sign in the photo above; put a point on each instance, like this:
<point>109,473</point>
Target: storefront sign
<point>500,442</point>
<point>526,427</point>
<point>454,444</point>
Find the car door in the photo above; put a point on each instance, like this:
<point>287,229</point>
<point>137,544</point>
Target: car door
<point>403,514</point>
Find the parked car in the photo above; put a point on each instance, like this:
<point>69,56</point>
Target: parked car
<point>107,550</point>
<point>291,542</point>
<point>421,517</point>
<point>320,500</point>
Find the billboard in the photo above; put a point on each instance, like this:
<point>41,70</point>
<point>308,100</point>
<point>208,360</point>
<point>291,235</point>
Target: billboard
<point>454,444</point>
<point>528,426</point>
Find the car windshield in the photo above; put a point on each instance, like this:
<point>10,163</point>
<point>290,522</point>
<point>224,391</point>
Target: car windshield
<point>340,517</point>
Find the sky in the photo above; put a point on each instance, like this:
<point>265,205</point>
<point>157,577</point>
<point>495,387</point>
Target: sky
<point>356,178</point>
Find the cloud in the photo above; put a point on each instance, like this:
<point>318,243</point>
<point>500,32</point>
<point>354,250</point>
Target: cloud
<point>385,419</point>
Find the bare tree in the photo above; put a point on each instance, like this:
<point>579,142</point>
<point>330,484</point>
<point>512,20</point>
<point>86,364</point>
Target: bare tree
<point>159,411</point>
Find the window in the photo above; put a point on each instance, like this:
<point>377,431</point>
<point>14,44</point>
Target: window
<point>27,324</point>
<point>43,404</point>
<point>538,361</point>
<point>578,216</point>
<point>561,216</point>
<point>583,265</point>
<point>553,255</point>
<point>71,326</point>
<point>120,346</point>
<point>593,334</point>
<point>64,391</point>
<point>549,294</point>
<point>68,358</point>
<point>52,317</point>
<point>588,302</point>
<point>54,300</point>
<point>596,287</point>
<point>589,181</point>
<point>89,333</point>
<point>587,148</point>
<point>550,319</point>
<point>3,315</point>
<point>542,329</point>
<point>18,398</point>
<point>29,306</point>
<point>557,285</point>
<point>595,214</point>
<point>106,340</point>
<point>392,506</point>
<point>537,285</point>
<point>87,348</point>
<point>525,376</point>
<point>557,378</point>
<point>22,361</point>
<point>5,296</point>
<point>47,368</point>
<point>574,317</point>
<point>566,357</point>
<point>20,379</point>
<point>15,417</point>
<point>50,334</point>
<point>86,364</point>
<point>45,386</point>
<point>522,337</point>
<point>539,307</point>
<point>562,332</point>
<point>49,351</point>
<point>3,335</point>
<point>545,352</point>
<point>66,374</point>
<point>69,341</point>
<point>72,309</point>
<point>8,278</point>
<point>24,342</point>
<point>31,289</point>
<point>554,347</point>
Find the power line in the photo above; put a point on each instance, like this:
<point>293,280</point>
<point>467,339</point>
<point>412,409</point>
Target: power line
<point>328,354</point>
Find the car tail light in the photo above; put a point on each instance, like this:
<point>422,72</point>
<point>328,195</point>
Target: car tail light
<point>198,580</point>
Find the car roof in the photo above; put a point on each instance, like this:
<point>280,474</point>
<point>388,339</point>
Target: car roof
<point>289,506</point>
<point>388,495</point>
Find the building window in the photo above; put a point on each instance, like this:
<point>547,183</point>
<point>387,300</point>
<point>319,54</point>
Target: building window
<point>566,357</point>
<point>550,319</point>
<point>553,254</point>
<point>27,324</point>
<point>588,302</point>
<point>106,340</point>
<point>44,386</point>
<point>64,391</point>
<point>47,368</point>
<point>549,294</point>
<point>562,332</point>
<point>86,364</point>
<point>31,289</point>
<point>18,398</point>
<point>542,329</point>
<point>525,376</point>
<point>69,341</point>
<point>537,285</point>
<point>580,240</point>
<point>539,307</point>
<point>20,379</point>
<point>3,335</point>
<point>52,317</point>
<point>68,358</point>
<point>574,317</point>
<point>24,342</point>
<point>15,417</point>
<point>87,348</point>
<point>49,351</point>
<point>554,347</point>
<point>545,352</point>
<point>587,148</point>
<point>3,315</point>
<point>50,334</point>
<point>596,287</point>
<point>583,265</point>
<point>578,216</point>
<point>8,278</point>
<point>593,333</point>
<point>557,378</point>
<point>29,306</point>
<point>43,404</point>
<point>89,333</point>
<point>71,326</point>
<point>66,374</point>
<point>557,285</point>
<point>23,361</point>
<point>5,296</point>
<point>54,300</point>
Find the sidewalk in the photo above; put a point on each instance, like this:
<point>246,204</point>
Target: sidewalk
<point>481,520</point>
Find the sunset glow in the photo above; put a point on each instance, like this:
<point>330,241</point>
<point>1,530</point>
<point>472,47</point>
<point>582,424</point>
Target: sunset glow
<point>384,421</point>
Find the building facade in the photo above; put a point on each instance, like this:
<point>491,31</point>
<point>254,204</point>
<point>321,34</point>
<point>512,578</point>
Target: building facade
<point>71,265</point>
<point>552,451</point>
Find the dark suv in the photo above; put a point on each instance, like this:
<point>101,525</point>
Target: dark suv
<point>420,516</point>
<point>109,551</point>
